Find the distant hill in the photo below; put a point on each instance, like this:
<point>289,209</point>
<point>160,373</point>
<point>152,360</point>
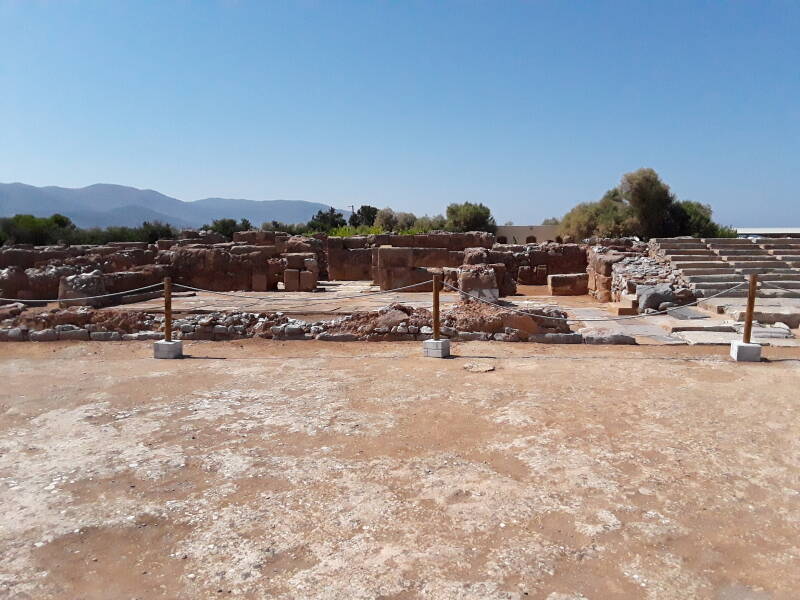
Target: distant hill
<point>104,204</point>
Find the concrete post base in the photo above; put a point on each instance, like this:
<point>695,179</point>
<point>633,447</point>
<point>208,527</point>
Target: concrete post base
<point>741,352</point>
<point>165,349</point>
<point>436,348</point>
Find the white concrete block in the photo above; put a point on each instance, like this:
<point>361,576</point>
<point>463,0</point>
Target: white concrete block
<point>741,352</point>
<point>165,349</point>
<point>436,348</point>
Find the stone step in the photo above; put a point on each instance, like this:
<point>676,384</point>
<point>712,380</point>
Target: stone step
<point>741,252</point>
<point>750,258</point>
<point>691,257</point>
<point>785,275</point>
<point>620,310</point>
<point>707,271</point>
<point>729,278</point>
<point>701,264</point>
<point>786,252</point>
<point>789,246</point>
<point>687,240</point>
<point>706,292</point>
<point>765,270</point>
<point>689,252</point>
<point>716,285</point>
<point>726,241</point>
<point>759,264</point>
<point>742,292</point>
<point>789,285</point>
<point>778,241</point>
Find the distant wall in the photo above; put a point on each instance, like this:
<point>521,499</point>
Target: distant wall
<point>518,234</point>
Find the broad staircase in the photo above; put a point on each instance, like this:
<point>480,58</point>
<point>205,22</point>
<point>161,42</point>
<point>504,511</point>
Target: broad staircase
<point>712,265</point>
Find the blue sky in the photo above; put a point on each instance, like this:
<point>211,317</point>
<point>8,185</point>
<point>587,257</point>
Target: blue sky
<point>528,107</point>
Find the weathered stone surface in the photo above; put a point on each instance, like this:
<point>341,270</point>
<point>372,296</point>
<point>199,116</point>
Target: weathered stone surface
<point>337,337</point>
<point>568,284</point>
<point>652,296</point>
<point>291,280</point>
<point>479,281</point>
<point>556,338</point>
<point>307,281</point>
<point>84,285</point>
<point>105,336</point>
<point>73,334</point>
<point>45,335</point>
<point>608,338</point>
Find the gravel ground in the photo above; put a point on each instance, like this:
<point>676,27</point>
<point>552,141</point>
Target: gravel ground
<point>294,470</point>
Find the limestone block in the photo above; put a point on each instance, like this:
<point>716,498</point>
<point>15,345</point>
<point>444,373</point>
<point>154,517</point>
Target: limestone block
<point>291,280</point>
<point>568,284</point>
<point>308,281</point>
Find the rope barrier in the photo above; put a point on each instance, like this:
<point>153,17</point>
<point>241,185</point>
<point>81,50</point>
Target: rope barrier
<point>312,301</point>
<point>574,320</point>
<point>27,300</point>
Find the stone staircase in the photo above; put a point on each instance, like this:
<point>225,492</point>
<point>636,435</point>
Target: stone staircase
<point>711,265</point>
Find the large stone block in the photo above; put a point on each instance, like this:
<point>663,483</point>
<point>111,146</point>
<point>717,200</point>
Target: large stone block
<point>291,280</point>
<point>568,284</point>
<point>431,257</point>
<point>297,260</point>
<point>392,258</point>
<point>308,281</point>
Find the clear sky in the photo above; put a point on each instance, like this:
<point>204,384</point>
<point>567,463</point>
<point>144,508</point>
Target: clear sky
<point>528,107</point>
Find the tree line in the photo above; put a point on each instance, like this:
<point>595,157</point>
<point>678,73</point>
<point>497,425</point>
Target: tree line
<point>641,205</point>
<point>58,229</point>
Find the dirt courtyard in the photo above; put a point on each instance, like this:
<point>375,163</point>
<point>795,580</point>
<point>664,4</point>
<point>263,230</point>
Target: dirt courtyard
<point>293,470</point>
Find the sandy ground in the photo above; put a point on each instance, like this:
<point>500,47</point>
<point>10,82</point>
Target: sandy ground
<point>291,470</point>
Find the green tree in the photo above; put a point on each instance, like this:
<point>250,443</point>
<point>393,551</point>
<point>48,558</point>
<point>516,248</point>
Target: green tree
<point>227,227</point>
<point>386,219</point>
<point>152,232</point>
<point>470,217</point>
<point>652,203</point>
<point>405,220</point>
<point>642,205</point>
<point>425,224</point>
<point>324,221</point>
<point>550,221</point>
<point>364,216</point>
<point>224,227</point>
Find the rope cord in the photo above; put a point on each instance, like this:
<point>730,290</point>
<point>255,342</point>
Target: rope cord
<point>147,287</point>
<point>777,287</point>
<point>313,301</point>
<point>573,320</point>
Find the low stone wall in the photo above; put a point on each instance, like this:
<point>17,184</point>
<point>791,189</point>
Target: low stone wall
<point>467,321</point>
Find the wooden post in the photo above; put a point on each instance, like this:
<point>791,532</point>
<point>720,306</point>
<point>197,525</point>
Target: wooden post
<point>437,282</point>
<point>751,303</point>
<point>168,309</point>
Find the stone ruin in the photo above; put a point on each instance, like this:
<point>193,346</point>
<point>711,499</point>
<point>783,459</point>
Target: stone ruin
<point>253,261</point>
<point>262,260</point>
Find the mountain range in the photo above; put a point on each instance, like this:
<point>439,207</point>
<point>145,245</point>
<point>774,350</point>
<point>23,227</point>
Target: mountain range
<point>104,204</point>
